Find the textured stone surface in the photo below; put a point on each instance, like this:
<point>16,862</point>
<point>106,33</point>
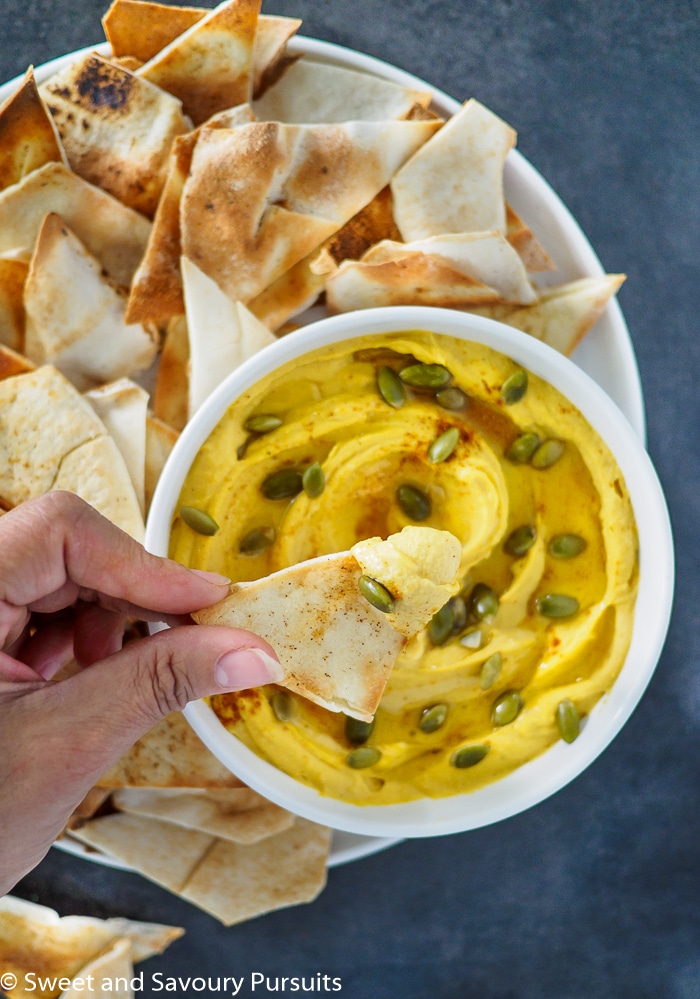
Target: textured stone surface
<point>594,893</point>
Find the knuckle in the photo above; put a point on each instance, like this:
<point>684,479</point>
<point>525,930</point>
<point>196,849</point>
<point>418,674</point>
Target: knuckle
<point>163,681</point>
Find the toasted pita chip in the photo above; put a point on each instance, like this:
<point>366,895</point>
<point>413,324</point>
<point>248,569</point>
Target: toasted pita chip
<point>563,314</point>
<point>109,974</point>
<point>28,136</point>
<point>270,58</point>
<point>35,939</point>
<point>75,315</point>
<point>141,29</point>
<point>293,292</point>
<point>237,814</point>
<point>91,803</point>
<point>123,406</point>
<point>13,274</point>
<point>51,438</point>
<point>209,67</point>
<point>301,184</point>
<point>116,128</point>
<point>454,183</point>
<point>172,380</point>
<point>222,334</point>
<point>160,440</point>
<point>523,240</point>
<point>235,882</point>
<point>314,92</point>
<point>12,363</point>
<point>170,755</point>
<point>114,234</point>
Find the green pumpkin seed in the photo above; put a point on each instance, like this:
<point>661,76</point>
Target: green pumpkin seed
<point>483,602</point>
<point>523,448</point>
<point>243,448</point>
<point>460,614</point>
<point>520,541</point>
<point>357,731</point>
<point>443,446</point>
<point>257,541</point>
<point>472,640</point>
<point>434,376</point>
<point>568,720</point>
<point>282,705</point>
<point>283,484</point>
<point>566,545</point>
<point>557,605</point>
<point>433,718</point>
<point>313,480</point>
<point>363,756</point>
<point>198,520</point>
<point>514,388</point>
<point>451,398</point>
<point>469,756</point>
<point>377,594</point>
<point>263,423</point>
<point>491,670</point>
<point>547,454</point>
<point>414,503</point>
<point>391,387</point>
<point>506,708</point>
<point>440,627</point>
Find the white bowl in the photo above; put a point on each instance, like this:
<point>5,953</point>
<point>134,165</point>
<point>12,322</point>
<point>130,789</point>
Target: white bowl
<point>539,778</point>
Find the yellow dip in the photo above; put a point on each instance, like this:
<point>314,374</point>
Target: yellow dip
<point>332,413</point>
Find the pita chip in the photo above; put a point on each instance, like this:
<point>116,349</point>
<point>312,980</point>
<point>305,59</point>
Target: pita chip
<point>141,29</point>
<point>75,315</point>
<point>293,292</point>
<point>160,440</point>
<point>237,882</point>
<point>13,274</point>
<point>28,136</point>
<point>51,438</point>
<point>170,755</point>
<point>237,814</point>
<point>523,240</point>
<point>123,407</point>
<point>270,57</point>
<point>454,183</point>
<point>223,334</point>
<point>261,197</point>
<point>116,128</point>
<point>111,232</point>
<point>13,363</point>
<point>113,968</point>
<point>91,803</point>
<point>563,314</point>
<point>310,92</point>
<point>337,649</point>
<point>209,66</point>
<point>172,380</point>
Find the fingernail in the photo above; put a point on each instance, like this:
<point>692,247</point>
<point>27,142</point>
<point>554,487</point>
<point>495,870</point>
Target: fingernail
<point>242,668</point>
<point>212,577</point>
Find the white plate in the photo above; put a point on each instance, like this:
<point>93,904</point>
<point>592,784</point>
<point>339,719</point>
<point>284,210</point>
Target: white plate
<point>606,353</point>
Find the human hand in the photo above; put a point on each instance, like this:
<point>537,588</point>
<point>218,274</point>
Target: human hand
<point>68,582</point>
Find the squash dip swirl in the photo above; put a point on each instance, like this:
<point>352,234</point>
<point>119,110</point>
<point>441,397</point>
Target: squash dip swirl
<point>364,437</point>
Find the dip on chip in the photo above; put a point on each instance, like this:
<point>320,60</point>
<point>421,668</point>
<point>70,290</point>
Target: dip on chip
<point>425,430</point>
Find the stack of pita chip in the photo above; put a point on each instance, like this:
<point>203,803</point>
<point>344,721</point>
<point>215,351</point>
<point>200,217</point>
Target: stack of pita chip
<point>52,956</point>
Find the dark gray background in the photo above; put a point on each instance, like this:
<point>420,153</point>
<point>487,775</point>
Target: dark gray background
<point>596,892</point>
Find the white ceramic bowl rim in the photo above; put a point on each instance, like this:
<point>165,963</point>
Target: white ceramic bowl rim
<point>541,777</point>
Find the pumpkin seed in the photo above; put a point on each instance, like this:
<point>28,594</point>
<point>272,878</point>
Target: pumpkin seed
<point>440,627</point>
<point>557,605</point>
<point>282,484</point>
<point>432,718</point>
<point>391,387</point>
<point>566,545</point>
<point>433,376</point>
<point>547,454</point>
<point>451,398</point>
<point>198,520</point>
<point>483,602</point>
<point>263,423</point>
<point>443,446</point>
<point>521,540</point>
<point>313,480</point>
<point>506,708</point>
<point>490,670</point>
<point>414,503</point>
<point>377,594</point>
<point>257,541</point>
<point>460,614</point>
<point>469,756</point>
<point>514,388</point>
<point>282,705</point>
<point>363,756</point>
<point>523,448</point>
<point>472,639</point>
<point>568,720</point>
<point>357,731</point>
